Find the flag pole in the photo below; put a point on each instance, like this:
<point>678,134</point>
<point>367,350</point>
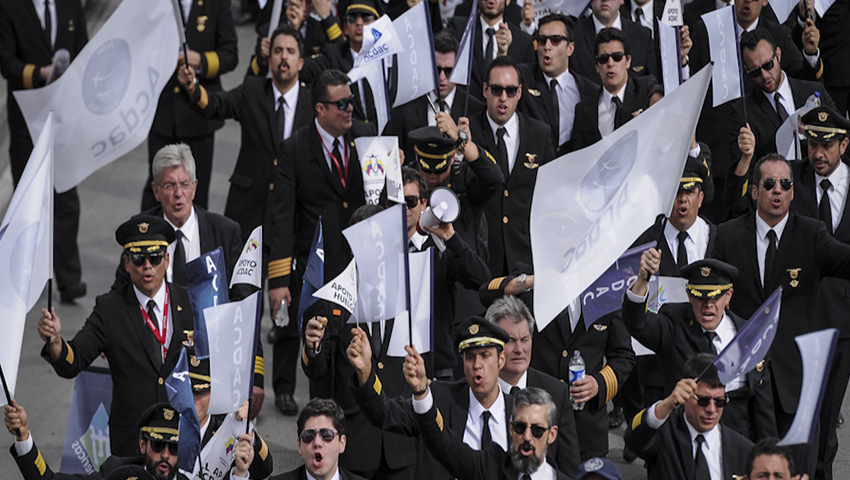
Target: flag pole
<point>8,397</point>
<point>473,14</point>
<point>254,361</point>
<point>407,278</point>
<point>50,199</point>
<point>679,52</point>
<point>181,29</point>
<point>740,65</point>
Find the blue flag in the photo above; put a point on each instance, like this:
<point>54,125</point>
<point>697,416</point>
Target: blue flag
<point>752,342</point>
<point>605,295</point>
<point>87,436</point>
<point>179,389</point>
<point>816,349</point>
<point>206,280</point>
<point>314,274</point>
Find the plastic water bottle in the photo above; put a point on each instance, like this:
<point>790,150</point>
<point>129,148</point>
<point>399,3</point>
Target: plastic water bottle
<point>576,374</point>
<point>813,100</point>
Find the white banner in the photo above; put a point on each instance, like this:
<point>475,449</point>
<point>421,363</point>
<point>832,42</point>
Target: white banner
<point>789,135</point>
<point>380,42</point>
<point>416,65</point>
<point>218,454</point>
<point>105,102</point>
<point>379,244</point>
<point>231,328</point>
<point>567,7</point>
<point>26,250</point>
<point>379,161</point>
<point>462,71</point>
<point>722,43</point>
<point>590,205</point>
<point>673,15</point>
<point>277,11</point>
<point>670,62</point>
<point>249,267</point>
<point>422,304</point>
<point>342,290</point>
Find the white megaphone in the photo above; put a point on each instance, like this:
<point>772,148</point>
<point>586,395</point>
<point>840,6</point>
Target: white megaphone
<point>443,207</point>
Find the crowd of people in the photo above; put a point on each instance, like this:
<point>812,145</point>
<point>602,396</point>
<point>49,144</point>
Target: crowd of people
<point>496,397</point>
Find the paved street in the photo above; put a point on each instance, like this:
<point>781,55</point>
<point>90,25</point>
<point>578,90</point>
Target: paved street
<point>109,197</point>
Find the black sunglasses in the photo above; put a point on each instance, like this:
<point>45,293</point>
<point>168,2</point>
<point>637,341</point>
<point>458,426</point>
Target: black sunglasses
<point>536,430</point>
<point>766,66</point>
<point>496,90</point>
<point>555,39</point>
<point>785,183</point>
<point>446,70</point>
<point>366,17</point>
<point>342,103</point>
<point>602,58</point>
<point>155,258</point>
<point>412,201</point>
<point>158,446</point>
<point>703,401</point>
<point>327,434</point>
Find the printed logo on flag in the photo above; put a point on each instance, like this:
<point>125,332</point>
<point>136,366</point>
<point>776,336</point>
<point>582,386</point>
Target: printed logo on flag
<point>376,34</point>
<point>604,180</point>
<point>107,77</point>
<point>228,447</point>
<point>96,439</point>
<point>373,166</point>
<point>252,245</point>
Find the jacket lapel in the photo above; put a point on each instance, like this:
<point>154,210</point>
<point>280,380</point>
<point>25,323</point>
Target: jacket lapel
<point>271,113</point>
<point>683,442</point>
<point>205,231</point>
<point>550,107</point>
<point>460,410</point>
<point>319,156</point>
<point>766,107</point>
<point>786,245</point>
<point>750,238</point>
<point>181,319</point>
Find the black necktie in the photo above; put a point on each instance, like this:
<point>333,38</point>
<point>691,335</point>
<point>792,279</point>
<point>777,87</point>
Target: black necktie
<point>444,107</point>
<point>700,464</point>
<point>682,253</point>
<point>556,109</point>
<point>618,105</point>
<point>780,110</point>
<point>639,16</point>
<point>503,150</point>
<point>488,50</point>
<point>48,24</point>
<point>526,476</point>
<point>377,344</point>
<point>486,438</point>
<point>515,390</point>
<point>336,165</point>
<point>179,260</point>
<point>152,314</point>
<point>824,208</point>
<point>281,119</point>
<point>769,257</point>
<point>709,335</point>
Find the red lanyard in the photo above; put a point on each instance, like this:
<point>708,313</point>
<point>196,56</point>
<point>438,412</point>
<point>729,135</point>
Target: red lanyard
<point>342,171</point>
<point>160,336</point>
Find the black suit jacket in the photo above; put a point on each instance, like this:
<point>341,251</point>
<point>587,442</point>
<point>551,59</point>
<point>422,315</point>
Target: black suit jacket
<point>508,215</point>
<point>300,474</point>
<point>521,50</point>
<point>33,462</point>
<point>668,451</point>
<point>117,329</point>
<point>460,459</point>
<point>252,104</point>
<point>564,453</point>
<point>644,60</point>
<point>210,31</point>
<point>635,101</point>
<point>536,103</point>
<point>806,254</point>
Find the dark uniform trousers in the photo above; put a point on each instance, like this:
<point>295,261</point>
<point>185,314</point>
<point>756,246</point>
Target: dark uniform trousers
<point>210,32</point>
<point>116,327</point>
<point>23,51</point>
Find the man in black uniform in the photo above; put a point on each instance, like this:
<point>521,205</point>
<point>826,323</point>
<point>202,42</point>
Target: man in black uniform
<point>28,39</point>
<point>211,38</point>
<point>139,328</point>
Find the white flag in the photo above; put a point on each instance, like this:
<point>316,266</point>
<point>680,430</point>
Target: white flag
<point>231,329</point>
<point>376,74</point>
<point>673,13</point>
<point>26,248</point>
<point>723,45</point>
<point>105,102</point>
<point>567,7</point>
<point>380,162</point>
<point>416,65</point>
<point>342,290</point>
<point>462,71</point>
<point>249,267</point>
<point>218,454</point>
<point>663,290</point>
<point>788,135</point>
<point>670,62</point>
<point>277,11</point>
<point>590,205</point>
<point>380,42</point>
<point>422,305</point>
<point>379,244</point>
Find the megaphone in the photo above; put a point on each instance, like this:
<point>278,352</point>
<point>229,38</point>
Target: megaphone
<point>443,207</point>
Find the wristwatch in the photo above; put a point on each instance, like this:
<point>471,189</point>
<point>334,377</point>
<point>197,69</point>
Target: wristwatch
<point>461,139</point>
<point>520,280</point>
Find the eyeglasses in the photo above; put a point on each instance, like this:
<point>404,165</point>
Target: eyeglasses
<point>766,66</point>
<point>536,430</point>
<point>327,435</point>
<point>155,258</point>
<point>158,446</point>
<point>341,104</point>
<point>496,90</point>
<point>703,401</point>
<point>785,183</point>
<point>170,186</point>
<point>366,17</point>
<point>446,70</point>
<point>412,201</point>
<point>602,58</point>
<point>555,39</point>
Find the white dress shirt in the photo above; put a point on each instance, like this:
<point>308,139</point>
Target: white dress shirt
<point>521,383</point>
<point>761,240</point>
<point>837,191</point>
<point>598,26</point>
<point>39,10</point>
<point>450,100</point>
<point>475,423</point>
<point>712,449</point>
<point>785,94</point>
<point>696,244</point>
<point>607,110</point>
<point>328,147</point>
<point>483,26</point>
<point>159,300</point>
<point>511,138</point>
<point>191,242</point>
<point>568,98</point>
<point>290,100</point>
<point>648,18</point>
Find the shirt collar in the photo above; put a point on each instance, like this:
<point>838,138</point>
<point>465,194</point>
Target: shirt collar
<point>521,383</point>
<point>418,240</point>
<point>450,98</point>
<point>484,25</point>
<point>838,177</point>
<point>784,90</point>
<point>725,329</point>
<point>565,80</point>
<point>647,12</point>
<point>158,297</point>
<point>762,228</point>
<point>326,137</point>
<point>289,98</point>
<point>497,410</point>
<point>752,27</point>
<point>334,477</point>
<point>511,126</point>
<point>189,227</point>
<point>597,25</point>
<point>712,437</point>
<point>621,94</point>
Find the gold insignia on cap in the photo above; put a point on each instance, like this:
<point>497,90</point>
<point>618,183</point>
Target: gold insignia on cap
<point>637,112</point>
<point>473,329</point>
<point>190,338</point>
<point>433,145</point>
<point>143,227</point>
<point>194,361</point>
<point>705,271</point>
<point>794,272</point>
<point>534,92</point>
<point>168,413</point>
<point>822,116</point>
<point>202,23</point>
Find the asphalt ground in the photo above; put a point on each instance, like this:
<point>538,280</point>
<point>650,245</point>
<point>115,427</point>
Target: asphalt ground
<point>108,198</point>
